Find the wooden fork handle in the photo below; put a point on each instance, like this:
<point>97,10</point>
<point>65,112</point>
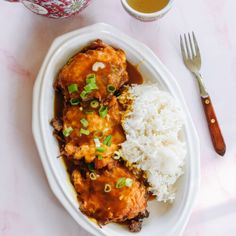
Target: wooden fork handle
<point>213,125</point>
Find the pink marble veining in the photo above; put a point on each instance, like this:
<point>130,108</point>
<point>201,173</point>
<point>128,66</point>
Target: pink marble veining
<point>11,222</point>
<point>14,65</point>
<point>216,11</point>
<point>27,206</point>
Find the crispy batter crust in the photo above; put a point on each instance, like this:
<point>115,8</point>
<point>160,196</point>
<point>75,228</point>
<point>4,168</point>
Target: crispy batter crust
<point>80,65</point>
<point>118,205</point>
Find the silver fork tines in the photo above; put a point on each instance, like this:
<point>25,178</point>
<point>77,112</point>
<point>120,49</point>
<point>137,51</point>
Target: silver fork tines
<point>190,52</point>
<point>192,58</point>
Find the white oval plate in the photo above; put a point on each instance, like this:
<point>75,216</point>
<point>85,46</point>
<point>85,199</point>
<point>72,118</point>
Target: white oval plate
<point>164,219</point>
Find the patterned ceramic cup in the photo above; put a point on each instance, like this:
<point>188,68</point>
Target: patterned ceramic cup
<point>147,16</point>
<point>54,8</point>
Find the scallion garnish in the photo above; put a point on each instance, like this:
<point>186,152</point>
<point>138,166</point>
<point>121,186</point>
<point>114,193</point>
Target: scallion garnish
<point>97,142</point>
<point>100,149</point>
<point>98,134</point>
<point>72,88</point>
<point>84,131</point>
<point>103,111</point>
<point>93,176</point>
<point>122,182</point>
<point>66,132</point>
<point>100,157</point>
<point>117,155</point>
<point>128,182</point>
<point>90,87</point>
<point>74,101</point>
<point>107,188</point>
<point>91,78</point>
<point>105,130</point>
<point>89,112</point>
<point>107,140</point>
<point>84,122</point>
<point>91,167</point>
<point>94,104</point>
<point>83,94</point>
<point>111,88</point>
<point>98,65</point>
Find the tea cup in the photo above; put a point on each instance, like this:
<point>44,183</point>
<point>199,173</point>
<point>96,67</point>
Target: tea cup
<point>146,16</point>
<point>54,8</point>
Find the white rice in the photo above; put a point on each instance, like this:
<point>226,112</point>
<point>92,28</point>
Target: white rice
<point>153,132</point>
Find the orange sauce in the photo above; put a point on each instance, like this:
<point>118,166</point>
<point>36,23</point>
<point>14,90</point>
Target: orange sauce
<point>134,75</point>
<point>134,78</point>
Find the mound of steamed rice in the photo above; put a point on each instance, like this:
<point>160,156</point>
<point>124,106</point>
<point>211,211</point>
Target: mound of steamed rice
<point>153,127</point>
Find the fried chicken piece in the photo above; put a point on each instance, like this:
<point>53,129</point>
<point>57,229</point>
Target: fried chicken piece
<point>80,146</point>
<point>79,66</point>
<point>118,205</point>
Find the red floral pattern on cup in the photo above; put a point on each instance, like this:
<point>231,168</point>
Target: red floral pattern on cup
<point>54,8</point>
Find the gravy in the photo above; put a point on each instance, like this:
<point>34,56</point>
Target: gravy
<point>134,78</point>
<point>134,75</point>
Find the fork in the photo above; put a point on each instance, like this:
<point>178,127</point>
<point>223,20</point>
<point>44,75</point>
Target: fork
<point>192,60</point>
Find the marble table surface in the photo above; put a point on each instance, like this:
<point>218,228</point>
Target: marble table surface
<point>27,205</point>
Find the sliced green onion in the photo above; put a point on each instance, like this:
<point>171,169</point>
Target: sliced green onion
<point>128,182</point>
<point>97,142</point>
<point>74,101</point>
<point>89,112</point>
<point>94,104</point>
<point>91,166</point>
<point>90,87</point>
<point>111,88</point>
<point>72,88</point>
<point>66,132</point>
<point>93,176</point>
<point>91,78</point>
<point>84,122</point>
<point>121,182</point>
<point>109,143</point>
<point>100,149</point>
<point>100,157</point>
<point>98,65</point>
<point>107,188</point>
<point>117,155</point>
<point>98,134</point>
<point>107,140</point>
<point>103,111</point>
<point>105,130</point>
<point>83,94</point>
<point>84,131</point>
